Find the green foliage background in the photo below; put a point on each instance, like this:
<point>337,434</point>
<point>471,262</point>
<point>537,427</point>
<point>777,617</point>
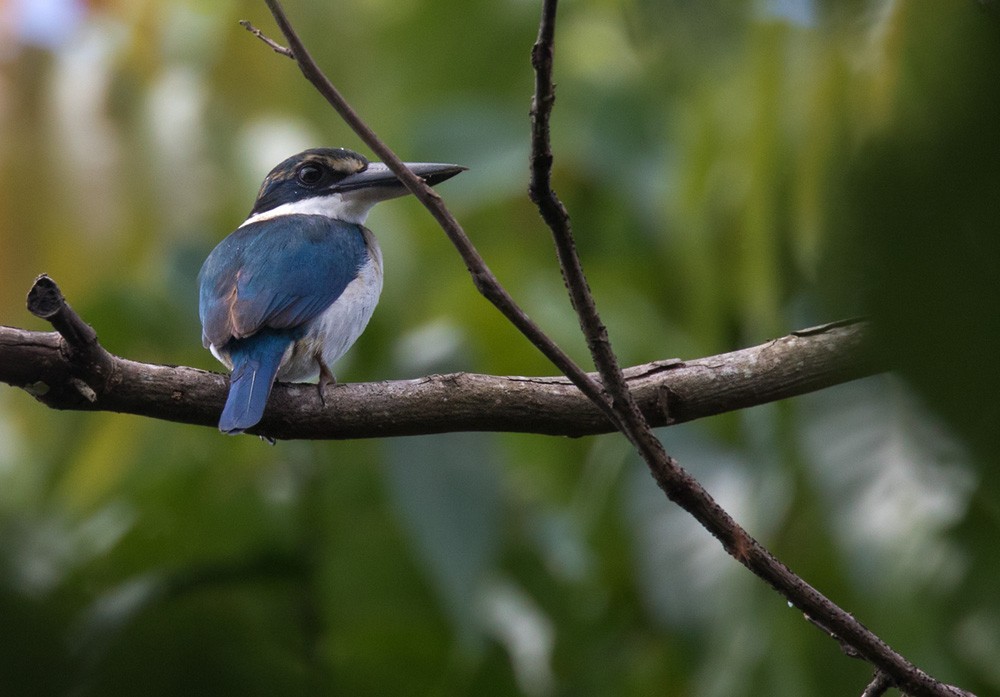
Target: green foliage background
<point>735,170</point>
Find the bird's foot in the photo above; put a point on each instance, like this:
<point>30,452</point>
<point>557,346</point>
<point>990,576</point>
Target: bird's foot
<point>325,378</point>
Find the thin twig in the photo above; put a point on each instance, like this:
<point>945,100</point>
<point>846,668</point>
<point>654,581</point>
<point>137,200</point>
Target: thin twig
<point>275,46</point>
<point>557,218</point>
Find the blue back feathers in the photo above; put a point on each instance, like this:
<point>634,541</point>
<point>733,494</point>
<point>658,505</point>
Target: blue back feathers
<point>278,273</point>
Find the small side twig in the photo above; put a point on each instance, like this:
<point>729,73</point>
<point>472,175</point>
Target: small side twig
<point>880,684</point>
<point>46,301</point>
<point>847,649</point>
<point>92,366</point>
<point>275,46</point>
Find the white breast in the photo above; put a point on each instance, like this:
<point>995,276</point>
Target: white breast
<point>333,332</point>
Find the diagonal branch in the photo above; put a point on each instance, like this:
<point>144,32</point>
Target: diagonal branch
<point>678,485</point>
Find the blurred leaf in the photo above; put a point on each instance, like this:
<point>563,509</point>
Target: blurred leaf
<point>893,480</point>
<point>447,491</point>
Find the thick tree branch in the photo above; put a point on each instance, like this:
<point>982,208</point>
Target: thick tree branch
<point>44,364</point>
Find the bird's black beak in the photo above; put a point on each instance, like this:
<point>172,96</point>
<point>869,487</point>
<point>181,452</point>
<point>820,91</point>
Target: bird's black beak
<point>377,175</point>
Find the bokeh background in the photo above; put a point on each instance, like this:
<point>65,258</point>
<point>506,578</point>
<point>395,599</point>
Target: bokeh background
<point>735,169</point>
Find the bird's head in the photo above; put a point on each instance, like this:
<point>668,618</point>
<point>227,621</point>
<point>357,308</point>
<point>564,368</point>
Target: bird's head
<point>337,183</point>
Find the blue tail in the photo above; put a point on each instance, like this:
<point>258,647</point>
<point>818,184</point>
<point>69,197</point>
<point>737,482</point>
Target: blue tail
<point>256,360</point>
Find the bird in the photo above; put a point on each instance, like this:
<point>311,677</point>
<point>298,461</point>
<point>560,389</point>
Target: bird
<point>292,288</point>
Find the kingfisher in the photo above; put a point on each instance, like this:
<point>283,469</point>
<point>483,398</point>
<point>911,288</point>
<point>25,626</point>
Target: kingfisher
<point>292,288</point>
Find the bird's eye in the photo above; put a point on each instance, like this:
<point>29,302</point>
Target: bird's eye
<point>309,175</point>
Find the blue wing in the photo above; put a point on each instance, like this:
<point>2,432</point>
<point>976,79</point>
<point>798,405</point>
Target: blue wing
<point>277,274</point>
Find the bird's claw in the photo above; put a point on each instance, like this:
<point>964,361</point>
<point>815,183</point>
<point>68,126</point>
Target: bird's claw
<point>326,378</point>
